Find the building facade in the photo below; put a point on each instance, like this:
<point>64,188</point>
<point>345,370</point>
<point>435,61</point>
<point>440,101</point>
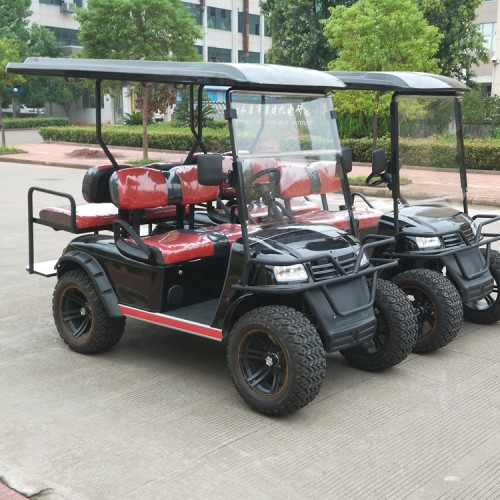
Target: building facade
<point>488,18</point>
<point>234,30</point>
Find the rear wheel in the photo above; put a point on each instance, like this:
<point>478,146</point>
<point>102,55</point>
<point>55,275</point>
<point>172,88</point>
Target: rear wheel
<point>438,306</point>
<point>276,359</point>
<point>395,334</point>
<point>486,310</point>
<point>80,315</point>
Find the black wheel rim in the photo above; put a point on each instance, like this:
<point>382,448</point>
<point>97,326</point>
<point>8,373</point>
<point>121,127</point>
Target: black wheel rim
<point>75,313</point>
<point>263,365</point>
<point>425,309</point>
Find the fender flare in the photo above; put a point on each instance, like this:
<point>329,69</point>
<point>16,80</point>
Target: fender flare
<point>97,275</point>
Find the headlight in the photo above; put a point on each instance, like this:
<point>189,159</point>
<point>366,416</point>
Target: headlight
<point>364,260</point>
<point>283,274</point>
<point>427,242</point>
<point>473,227</point>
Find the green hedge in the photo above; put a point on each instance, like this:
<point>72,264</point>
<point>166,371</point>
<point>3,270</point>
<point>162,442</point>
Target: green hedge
<point>480,154</point>
<point>175,139</point>
<point>35,122</point>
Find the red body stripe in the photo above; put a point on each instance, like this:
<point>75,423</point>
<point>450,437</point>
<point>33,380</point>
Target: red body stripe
<point>171,322</point>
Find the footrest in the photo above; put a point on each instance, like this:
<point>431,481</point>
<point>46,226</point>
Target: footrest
<point>47,268</point>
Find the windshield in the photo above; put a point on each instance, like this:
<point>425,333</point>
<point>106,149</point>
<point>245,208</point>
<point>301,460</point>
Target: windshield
<point>428,139</point>
<point>289,148</point>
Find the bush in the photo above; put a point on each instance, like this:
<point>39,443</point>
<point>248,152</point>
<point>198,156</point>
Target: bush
<point>135,118</point>
<point>174,139</point>
<point>480,154</point>
<point>362,149</point>
<point>35,122</point>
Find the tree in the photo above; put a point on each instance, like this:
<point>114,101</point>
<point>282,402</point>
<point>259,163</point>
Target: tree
<point>14,20</point>
<point>461,47</point>
<point>379,35</point>
<point>138,29</point>
<point>297,32</point>
<point>9,52</point>
<point>32,40</point>
<point>64,93</point>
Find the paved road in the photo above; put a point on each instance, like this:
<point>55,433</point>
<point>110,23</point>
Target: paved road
<point>157,416</point>
<point>22,136</point>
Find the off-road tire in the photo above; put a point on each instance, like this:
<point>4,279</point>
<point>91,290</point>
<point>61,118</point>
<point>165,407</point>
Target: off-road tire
<point>438,306</point>
<point>80,315</point>
<point>395,335</point>
<point>276,359</point>
<point>487,310</point>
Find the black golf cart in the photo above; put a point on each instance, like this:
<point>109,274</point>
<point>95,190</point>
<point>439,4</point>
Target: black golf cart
<point>445,258</point>
<point>280,291</point>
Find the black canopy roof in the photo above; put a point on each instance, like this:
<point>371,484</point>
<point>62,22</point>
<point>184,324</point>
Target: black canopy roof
<point>248,76</point>
<point>405,82</point>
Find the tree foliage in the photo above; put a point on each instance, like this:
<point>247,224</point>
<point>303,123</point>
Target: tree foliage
<point>297,32</point>
<point>461,47</point>
<point>379,35</point>
<point>382,35</point>
<point>138,29</point>
<point>31,40</point>
<point>9,52</point>
<point>14,19</point>
<point>64,93</point>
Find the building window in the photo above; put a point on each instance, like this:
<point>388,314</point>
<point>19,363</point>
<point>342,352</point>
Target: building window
<point>78,3</point>
<point>219,19</point>
<point>252,57</point>
<point>254,23</point>
<point>219,55</point>
<point>489,31</point>
<point>195,11</point>
<point>65,37</point>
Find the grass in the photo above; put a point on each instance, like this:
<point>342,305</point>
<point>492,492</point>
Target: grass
<point>359,180</point>
<point>140,162</point>
<point>9,149</point>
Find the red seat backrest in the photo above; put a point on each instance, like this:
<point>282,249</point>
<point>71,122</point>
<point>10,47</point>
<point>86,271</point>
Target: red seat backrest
<point>303,180</point>
<point>140,188</point>
<point>328,180</point>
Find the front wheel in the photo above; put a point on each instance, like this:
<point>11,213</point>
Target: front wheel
<point>438,306</point>
<point>80,315</point>
<point>276,359</point>
<point>486,310</point>
<point>395,334</point>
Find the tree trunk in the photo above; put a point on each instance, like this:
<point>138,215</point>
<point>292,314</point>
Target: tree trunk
<point>2,127</point>
<point>145,113</point>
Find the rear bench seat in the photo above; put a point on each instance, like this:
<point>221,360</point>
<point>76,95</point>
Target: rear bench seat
<point>145,188</point>
<point>99,213</point>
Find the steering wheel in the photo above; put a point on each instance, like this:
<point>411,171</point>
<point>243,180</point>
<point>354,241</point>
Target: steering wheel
<point>266,171</point>
<point>265,192</point>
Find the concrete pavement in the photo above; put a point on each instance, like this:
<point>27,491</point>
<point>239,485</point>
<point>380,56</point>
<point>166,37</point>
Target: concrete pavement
<point>157,416</point>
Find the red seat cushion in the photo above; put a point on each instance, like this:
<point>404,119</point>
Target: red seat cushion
<point>88,216</point>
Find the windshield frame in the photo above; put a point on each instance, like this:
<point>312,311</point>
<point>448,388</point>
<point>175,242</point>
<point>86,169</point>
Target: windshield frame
<point>242,156</point>
<point>395,128</point>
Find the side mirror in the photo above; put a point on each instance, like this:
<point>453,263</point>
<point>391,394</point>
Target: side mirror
<point>379,162</point>
<point>210,170</point>
<point>346,159</point>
